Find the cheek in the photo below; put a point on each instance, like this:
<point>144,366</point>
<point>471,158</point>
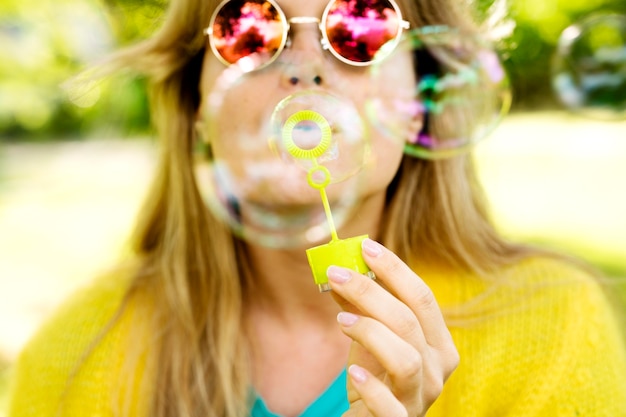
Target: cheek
<point>383,164</point>
<point>235,110</point>
<point>393,116</point>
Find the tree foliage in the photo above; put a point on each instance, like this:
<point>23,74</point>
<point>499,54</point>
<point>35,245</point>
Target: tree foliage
<point>45,42</point>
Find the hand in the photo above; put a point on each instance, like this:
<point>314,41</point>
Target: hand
<point>402,351</point>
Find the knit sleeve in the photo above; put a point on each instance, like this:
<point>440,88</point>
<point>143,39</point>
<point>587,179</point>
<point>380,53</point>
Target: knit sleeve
<point>53,358</point>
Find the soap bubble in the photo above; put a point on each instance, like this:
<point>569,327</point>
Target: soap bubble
<point>589,67</point>
<point>460,92</point>
<point>266,159</point>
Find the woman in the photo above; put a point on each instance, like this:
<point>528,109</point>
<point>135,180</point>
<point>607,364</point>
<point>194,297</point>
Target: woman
<point>458,322</point>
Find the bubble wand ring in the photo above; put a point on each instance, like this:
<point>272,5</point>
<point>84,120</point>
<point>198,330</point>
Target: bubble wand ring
<point>306,116</point>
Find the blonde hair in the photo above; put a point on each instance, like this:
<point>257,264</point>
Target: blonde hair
<point>193,268</point>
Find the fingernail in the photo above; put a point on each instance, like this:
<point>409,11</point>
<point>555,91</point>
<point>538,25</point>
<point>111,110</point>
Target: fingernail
<point>371,247</point>
<point>338,274</point>
<point>347,319</point>
<point>357,373</point>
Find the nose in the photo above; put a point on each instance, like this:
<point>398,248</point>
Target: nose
<point>303,59</point>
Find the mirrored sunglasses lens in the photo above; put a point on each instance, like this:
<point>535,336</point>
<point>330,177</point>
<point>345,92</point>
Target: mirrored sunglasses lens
<point>252,29</point>
<point>357,30</point>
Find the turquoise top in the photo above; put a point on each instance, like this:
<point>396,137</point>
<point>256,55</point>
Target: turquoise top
<point>332,403</point>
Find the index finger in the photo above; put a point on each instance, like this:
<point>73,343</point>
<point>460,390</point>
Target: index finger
<point>408,287</point>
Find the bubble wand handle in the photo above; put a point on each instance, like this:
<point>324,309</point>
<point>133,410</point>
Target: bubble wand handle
<point>329,215</point>
<point>341,252</point>
<point>323,195</point>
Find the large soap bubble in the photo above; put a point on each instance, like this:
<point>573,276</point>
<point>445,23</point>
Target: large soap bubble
<point>589,67</point>
<point>460,92</point>
<point>274,163</point>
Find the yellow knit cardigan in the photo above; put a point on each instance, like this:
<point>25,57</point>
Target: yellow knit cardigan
<point>540,339</point>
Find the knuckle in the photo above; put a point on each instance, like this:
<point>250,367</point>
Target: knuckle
<point>435,388</point>
<point>411,366</point>
<point>402,412</point>
<point>426,298</point>
<point>362,286</point>
<point>393,265</point>
<point>449,360</point>
<point>408,324</point>
<point>454,359</point>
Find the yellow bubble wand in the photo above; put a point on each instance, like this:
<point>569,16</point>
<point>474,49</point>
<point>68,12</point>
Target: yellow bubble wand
<point>341,252</point>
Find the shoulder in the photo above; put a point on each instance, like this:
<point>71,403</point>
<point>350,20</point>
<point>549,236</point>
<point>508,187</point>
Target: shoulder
<point>527,284</point>
<point>550,269</point>
<point>83,315</point>
<point>574,301</point>
<point>567,292</point>
<point>543,339</point>
<point>84,331</point>
<point>551,293</point>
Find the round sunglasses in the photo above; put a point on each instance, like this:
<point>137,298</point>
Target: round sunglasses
<point>253,33</point>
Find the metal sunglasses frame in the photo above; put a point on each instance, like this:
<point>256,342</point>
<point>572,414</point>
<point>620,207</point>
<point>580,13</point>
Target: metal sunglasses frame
<point>300,20</point>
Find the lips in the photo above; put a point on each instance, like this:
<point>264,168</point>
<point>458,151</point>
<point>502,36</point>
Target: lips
<point>307,134</point>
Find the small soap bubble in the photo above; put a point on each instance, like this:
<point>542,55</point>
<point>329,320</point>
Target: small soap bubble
<point>263,159</point>
<point>459,93</point>
<point>589,67</point>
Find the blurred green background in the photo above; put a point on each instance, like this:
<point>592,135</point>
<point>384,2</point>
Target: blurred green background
<point>44,42</point>
<point>74,164</point>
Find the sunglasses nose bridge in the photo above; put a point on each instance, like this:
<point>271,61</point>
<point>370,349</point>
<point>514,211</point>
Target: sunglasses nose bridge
<point>304,20</point>
<point>306,23</point>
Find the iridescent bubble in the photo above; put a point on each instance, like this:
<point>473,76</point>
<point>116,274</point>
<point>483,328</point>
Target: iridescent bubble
<point>459,93</point>
<point>267,158</point>
<point>589,67</point>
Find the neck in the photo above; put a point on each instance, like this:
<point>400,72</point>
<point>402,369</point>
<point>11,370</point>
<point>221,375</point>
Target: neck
<point>282,281</point>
